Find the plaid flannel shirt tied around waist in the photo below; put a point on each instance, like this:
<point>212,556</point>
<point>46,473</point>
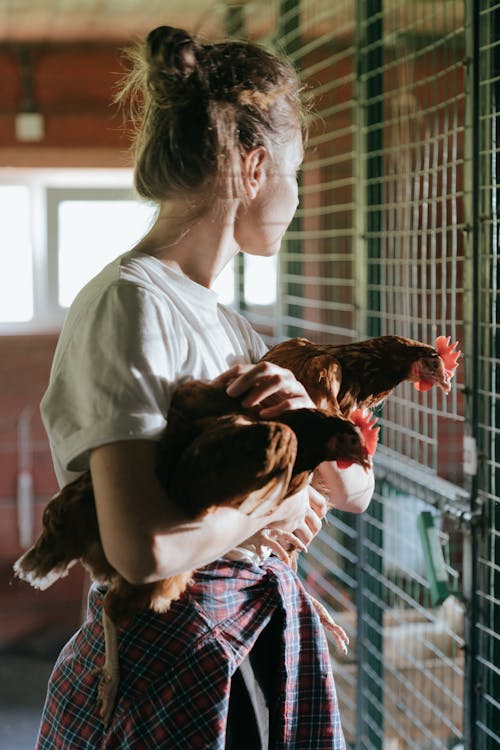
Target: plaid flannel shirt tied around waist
<point>176,668</point>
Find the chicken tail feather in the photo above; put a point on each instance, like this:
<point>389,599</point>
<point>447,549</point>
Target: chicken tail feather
<point>39,567</point>
<point>69,533</point>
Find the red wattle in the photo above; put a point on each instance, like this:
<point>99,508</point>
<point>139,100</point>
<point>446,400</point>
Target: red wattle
<point>422,385</point>
<point>344,463</point>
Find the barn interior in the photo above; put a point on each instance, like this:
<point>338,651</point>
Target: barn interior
<point>396,233</point>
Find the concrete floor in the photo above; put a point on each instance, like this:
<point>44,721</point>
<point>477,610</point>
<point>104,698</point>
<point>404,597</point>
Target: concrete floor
<point>23,682</point>
<point>34,626</point>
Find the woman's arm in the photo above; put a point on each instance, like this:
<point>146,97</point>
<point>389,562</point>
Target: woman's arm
<point>146,537</point>
<point>348,489</point>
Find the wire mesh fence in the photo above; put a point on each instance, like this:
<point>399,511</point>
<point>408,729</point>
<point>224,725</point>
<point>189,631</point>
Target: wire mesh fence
<point>485,613</point>
<point>397,233</point>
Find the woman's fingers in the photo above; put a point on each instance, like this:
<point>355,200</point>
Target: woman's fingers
<point>263,375</point>
<point>300,401</point>
<point>318,502</point>
<point>282,543</point>
<point>270,387</point>
<point>311,524</point>
<point>291,512</point>
<point>228,376</point>
<point>306,532</point>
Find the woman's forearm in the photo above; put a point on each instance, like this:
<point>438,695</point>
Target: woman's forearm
<point>193,544</point>
<point>145,537</point>
<point>348,489</point>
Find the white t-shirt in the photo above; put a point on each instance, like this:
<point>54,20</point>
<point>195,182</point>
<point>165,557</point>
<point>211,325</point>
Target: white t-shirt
<point>132,334</point>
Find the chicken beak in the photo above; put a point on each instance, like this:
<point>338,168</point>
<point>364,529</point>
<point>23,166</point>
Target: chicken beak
<point>444,382</point>
<point>439,377</point>
<point>366,462</point>
<point>364,459</point>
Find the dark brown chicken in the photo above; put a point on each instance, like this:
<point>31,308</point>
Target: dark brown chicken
<point>360,375</point>
<point>200,466</point>
<point>206,428</point>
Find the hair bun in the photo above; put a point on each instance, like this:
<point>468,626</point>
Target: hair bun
<point>171,52</point>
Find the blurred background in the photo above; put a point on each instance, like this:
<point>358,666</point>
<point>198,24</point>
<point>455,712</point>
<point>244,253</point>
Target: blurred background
<point>397,232</point>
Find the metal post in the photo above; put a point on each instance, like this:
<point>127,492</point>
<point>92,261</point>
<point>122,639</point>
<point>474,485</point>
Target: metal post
<point>288,40</point>
<point>369,540</point>
<point>235,27</point>
<point>485,606</point>
<point>494,520</point>
<point>472,341</point>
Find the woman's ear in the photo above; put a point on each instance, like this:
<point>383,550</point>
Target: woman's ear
<point>253,170</point>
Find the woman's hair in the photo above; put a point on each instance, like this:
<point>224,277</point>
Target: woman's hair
<point>197,107</point>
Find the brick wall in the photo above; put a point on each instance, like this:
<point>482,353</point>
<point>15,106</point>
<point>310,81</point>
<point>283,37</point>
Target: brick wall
<point>26,614</point>
<point>73,89</point>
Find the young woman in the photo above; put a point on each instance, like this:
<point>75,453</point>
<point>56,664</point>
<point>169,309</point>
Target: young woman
<point>240,660</point>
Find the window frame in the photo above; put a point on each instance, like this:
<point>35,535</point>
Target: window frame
<point>47,188</point>
<point>56,196</point>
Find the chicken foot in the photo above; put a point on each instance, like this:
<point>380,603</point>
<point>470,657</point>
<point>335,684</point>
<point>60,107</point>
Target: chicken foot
<point>338,633</point>
<point>276,539</point>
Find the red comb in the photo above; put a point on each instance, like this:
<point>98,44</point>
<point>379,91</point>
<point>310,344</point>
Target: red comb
<point>366,422</point>
<point>448,353</point>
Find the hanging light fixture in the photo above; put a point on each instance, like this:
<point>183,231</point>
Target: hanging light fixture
<point>29,123</point>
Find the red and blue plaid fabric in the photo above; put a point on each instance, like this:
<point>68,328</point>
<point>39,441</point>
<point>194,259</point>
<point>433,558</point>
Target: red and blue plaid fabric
<point>176,669</point>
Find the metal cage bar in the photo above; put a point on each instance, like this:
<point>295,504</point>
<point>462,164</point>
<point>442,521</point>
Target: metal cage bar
<point>485,617</point>
<point>369,538</point>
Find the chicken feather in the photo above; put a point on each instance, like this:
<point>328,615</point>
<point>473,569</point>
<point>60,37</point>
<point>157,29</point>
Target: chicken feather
<point>341,378</point>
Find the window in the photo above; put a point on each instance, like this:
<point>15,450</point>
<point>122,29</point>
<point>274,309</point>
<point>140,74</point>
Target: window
<point>58,228</point>
<point>260,283</point>
<point>90,228</point>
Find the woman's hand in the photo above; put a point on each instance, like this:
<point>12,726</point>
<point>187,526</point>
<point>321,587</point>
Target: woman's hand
<point>273,390</point>
<point>265,386</point>
<point>311,523</point>
<point>300,520</point>
<point>307,523</point>
<point>349,490</point>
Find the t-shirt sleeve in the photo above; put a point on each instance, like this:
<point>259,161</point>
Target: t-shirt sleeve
<point>112,379</point>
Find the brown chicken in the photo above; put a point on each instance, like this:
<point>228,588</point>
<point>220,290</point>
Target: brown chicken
<point>342,378</point>
<point>205,429</point>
